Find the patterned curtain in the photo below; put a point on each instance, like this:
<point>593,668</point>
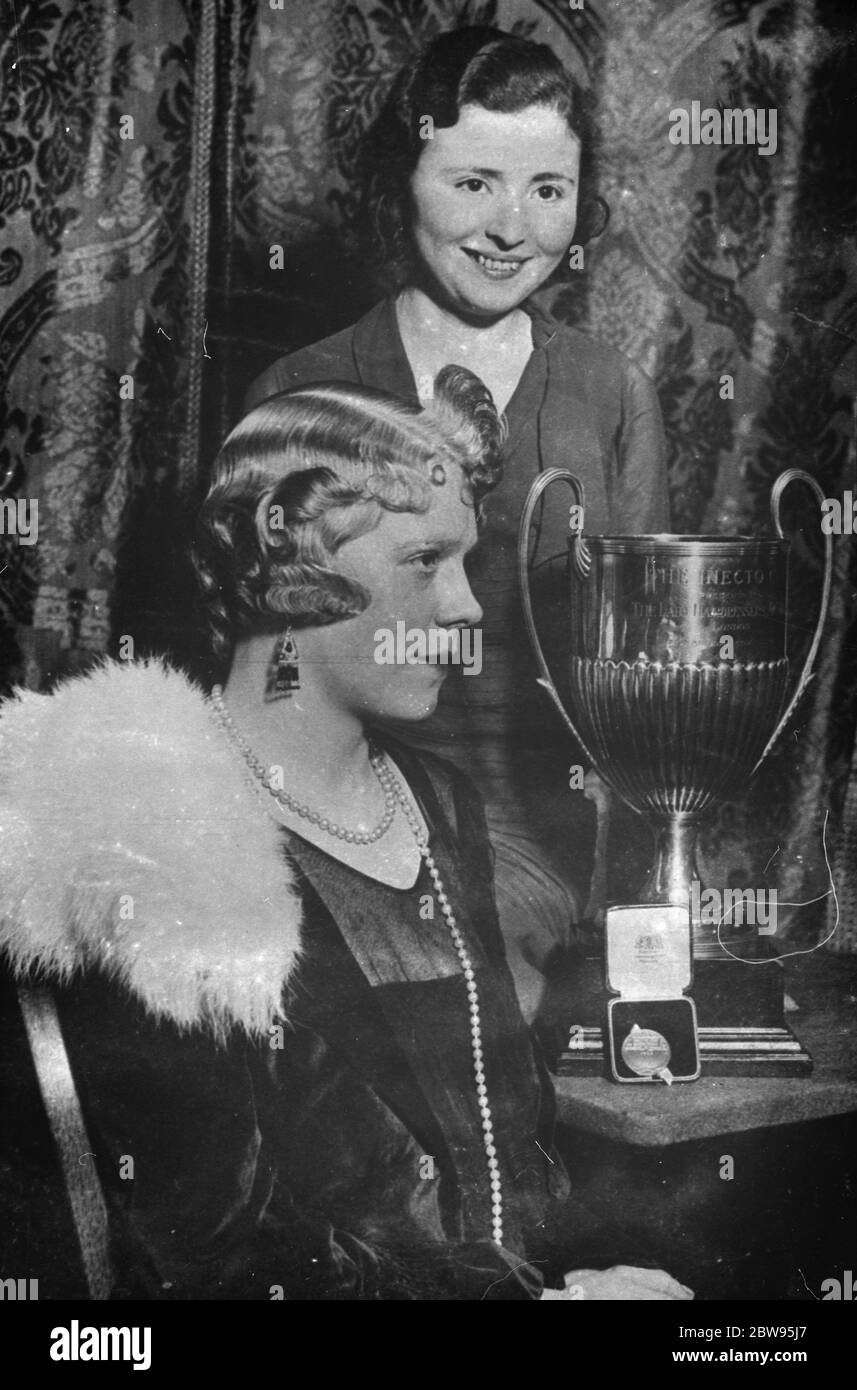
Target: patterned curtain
<point>106,135</point>
<point>176,209</point>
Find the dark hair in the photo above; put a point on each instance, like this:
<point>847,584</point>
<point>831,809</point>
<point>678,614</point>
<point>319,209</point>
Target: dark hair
<point>314,467</point>
<point>475,66</point>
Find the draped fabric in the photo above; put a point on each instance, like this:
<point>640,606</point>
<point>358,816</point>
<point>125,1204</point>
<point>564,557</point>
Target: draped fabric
<point>176,210</point>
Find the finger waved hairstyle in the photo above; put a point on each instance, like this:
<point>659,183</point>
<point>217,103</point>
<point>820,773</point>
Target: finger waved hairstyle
<point>314,467</point>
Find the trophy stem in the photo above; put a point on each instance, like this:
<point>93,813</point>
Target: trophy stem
<point>669,880</point>
<point>675,869</point>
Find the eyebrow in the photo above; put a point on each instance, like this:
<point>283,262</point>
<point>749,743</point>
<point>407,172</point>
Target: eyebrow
<point>497,174</point>
<point>442,543</point>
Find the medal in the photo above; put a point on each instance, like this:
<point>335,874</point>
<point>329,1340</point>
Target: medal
<point>647,1053</point>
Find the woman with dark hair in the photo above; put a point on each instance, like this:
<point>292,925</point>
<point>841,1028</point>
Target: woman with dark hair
<point>269,932</point>
<point>477,187</point>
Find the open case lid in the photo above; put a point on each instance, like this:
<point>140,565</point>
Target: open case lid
<point>649,950</point>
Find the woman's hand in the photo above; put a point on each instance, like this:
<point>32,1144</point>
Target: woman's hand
<point>621,1283</point>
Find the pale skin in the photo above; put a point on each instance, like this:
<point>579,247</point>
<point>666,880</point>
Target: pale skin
<point>413,566</point>
<point>494,207</point>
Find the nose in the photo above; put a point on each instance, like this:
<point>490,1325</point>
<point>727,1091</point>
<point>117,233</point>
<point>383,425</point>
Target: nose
<point>506,223</point>
<point>458,606</point>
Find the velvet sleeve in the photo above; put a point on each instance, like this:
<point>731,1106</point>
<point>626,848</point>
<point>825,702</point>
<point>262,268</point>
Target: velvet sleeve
<point>359,1186</point>
<point>259,1172</point>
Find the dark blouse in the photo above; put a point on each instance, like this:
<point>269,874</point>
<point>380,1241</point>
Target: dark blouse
<point>342,1157</point>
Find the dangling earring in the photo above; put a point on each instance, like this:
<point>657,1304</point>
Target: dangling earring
<point>284,673</point>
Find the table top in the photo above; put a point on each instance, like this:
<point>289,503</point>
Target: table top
<point>824,987</point>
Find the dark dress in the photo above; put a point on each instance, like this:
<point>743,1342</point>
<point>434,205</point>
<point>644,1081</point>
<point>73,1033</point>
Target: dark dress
<point>579,405</point>
<point>342,1157</point>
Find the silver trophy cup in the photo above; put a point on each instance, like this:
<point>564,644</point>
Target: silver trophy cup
<point>679,671</point>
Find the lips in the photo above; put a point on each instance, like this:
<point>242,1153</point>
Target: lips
<point>497,267</point>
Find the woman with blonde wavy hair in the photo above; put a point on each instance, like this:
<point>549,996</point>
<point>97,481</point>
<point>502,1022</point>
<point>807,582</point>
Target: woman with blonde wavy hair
<point>269,931</point>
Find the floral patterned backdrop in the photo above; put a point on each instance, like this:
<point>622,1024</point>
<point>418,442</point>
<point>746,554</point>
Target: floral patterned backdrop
<point>138,297</point>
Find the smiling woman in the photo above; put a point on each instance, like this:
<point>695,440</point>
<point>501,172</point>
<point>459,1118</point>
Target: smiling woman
<point>490,223</point>
<point>490,220</point>
<point>478,179</point>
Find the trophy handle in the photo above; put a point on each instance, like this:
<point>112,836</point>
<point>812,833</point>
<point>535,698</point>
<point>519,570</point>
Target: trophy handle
<point>793,475</point>
<point>543,481</point>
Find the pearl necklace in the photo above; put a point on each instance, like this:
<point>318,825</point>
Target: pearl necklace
<point>351,837</point>
<point>395,795</point>
<point>475,1017</point>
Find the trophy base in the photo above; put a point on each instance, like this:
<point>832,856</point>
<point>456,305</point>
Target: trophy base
<point>739,1006</point>
<point>742,993</point>
<point>747,1051</point>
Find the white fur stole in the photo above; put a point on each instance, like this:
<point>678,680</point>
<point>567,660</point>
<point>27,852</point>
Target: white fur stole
<point>130,839</point>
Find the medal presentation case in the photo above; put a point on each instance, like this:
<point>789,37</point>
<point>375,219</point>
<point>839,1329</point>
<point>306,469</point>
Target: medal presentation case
<point>651,1022</point>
